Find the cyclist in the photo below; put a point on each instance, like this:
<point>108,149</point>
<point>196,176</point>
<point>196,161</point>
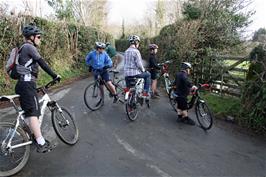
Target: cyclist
<point>110,50</point>
<point>133,66</point>
<point>29,62</point>
<point>99,61</point>
<point>183,88</point>
<point>154,67</point>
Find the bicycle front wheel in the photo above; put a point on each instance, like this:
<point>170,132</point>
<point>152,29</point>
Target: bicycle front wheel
<point>93,96</point>
<point>132,107</point>
<point>167,84</point>
<point>65,126</point>
<point>12,161</point>
<point>204,115</point>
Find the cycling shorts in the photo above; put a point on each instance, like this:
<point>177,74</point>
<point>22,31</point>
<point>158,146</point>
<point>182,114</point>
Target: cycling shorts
<point>28,98</point>
<point>103,73</point>
<point>182,103</point>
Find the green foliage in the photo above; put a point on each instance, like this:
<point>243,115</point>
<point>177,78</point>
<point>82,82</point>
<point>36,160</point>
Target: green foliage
<point>223,106</point>
<point>191,11</point>
<point>254,94</point>
<point>63,9</point>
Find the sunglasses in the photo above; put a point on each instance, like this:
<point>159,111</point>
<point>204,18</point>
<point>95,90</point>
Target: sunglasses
<point>39,37</point>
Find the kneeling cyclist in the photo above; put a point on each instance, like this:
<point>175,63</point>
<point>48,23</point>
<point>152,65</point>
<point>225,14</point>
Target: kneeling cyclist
<point>99,62</point>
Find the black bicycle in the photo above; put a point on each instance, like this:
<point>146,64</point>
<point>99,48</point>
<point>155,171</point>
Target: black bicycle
<point>16,138</point>
<point>203,112</point>
<point>94,92</point>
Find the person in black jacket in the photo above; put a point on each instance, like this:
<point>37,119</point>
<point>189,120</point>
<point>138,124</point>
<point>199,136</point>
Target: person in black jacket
<point>30,60</point>
<point>154,69</point>
<point>183,88</point>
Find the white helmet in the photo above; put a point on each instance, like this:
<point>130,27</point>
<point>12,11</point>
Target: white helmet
<point>133,39</point>
<point>100,45</point>
<point>186,65</point>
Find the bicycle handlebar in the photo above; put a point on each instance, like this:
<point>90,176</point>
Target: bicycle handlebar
<point>49,84</point>
<point>166,62</point>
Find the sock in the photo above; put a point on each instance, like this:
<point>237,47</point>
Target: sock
<point>40,141</point>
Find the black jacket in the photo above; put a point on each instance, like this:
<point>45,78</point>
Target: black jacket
<point>183,85</point>
<point>153,63</point>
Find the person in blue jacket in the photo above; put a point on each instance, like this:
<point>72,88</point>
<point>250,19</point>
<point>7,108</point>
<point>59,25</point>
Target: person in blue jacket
<point>99,61</point>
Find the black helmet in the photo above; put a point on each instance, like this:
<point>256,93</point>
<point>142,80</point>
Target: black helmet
<point>31,30</point>
<point>186,65</point>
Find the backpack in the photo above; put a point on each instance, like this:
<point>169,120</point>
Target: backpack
<point>12,62</point>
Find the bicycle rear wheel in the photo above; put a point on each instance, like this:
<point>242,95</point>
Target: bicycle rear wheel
<point>172,99</point>
<point>204,115</point>
<point>132,107</point>
<point>12,162</point>
<point>65,126</point>
<point>94,96</point>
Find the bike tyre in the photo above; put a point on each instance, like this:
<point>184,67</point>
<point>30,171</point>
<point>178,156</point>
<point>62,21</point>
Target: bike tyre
<point>200,104</point>
<point>131,106</point>
<point>26,154</point>
<point>67,115</point>
<point>172,100</point>
<point>86,97</point>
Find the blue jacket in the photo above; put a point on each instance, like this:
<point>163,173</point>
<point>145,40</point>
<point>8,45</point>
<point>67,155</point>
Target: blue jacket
<point>98,61</point>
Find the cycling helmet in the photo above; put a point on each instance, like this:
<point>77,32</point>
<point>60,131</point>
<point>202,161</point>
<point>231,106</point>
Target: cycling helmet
<point>100,45</point>
<point>30,30</point>
<point>133,39</point>
<point>153,46</point>
<point>186,65</point>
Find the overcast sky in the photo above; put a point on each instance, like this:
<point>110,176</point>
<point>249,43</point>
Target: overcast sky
<point>134,10</point>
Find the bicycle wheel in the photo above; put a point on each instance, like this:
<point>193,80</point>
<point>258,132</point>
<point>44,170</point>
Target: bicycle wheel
<point>204,115</point>
<point>172,99</point>
<point>94,96</point>
<point>13,161</point>
<point>132,107</point>
<point>119,86</point>
<point>65,126</point>
<point>167,84</point>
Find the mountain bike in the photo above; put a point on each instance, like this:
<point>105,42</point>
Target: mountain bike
<point>16,138</point>
<point>94,92</point>
<point>134,99</point>
<point>203,112</point>
<point>165,75</point>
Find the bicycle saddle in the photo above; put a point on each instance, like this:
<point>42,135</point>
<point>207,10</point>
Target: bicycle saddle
<point>8,97</point>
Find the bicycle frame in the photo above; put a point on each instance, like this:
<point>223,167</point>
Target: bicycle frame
<point>46,101</point>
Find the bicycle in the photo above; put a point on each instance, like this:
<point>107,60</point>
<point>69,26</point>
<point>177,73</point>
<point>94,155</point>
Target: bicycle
<point>16,138</point>
<point>133,97</point>
<point>94,92</point>
<point>203,112</point>
<point>165,75</point>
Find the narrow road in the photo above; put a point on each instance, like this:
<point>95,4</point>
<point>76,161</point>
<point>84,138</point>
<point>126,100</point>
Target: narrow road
<point>154,145</point>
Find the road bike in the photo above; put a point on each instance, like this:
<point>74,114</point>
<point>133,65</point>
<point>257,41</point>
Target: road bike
<point>94,92</point>
<point>134,99</point>
<point>16,137</point>
<point>165,75</point>
<point>203,112</point>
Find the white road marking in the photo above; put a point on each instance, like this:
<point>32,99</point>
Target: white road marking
<point>142,156</point>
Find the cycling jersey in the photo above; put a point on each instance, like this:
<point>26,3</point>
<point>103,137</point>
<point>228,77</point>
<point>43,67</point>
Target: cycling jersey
<point>98,60</point>
<point>30,58</point>
<point>183,85</point>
